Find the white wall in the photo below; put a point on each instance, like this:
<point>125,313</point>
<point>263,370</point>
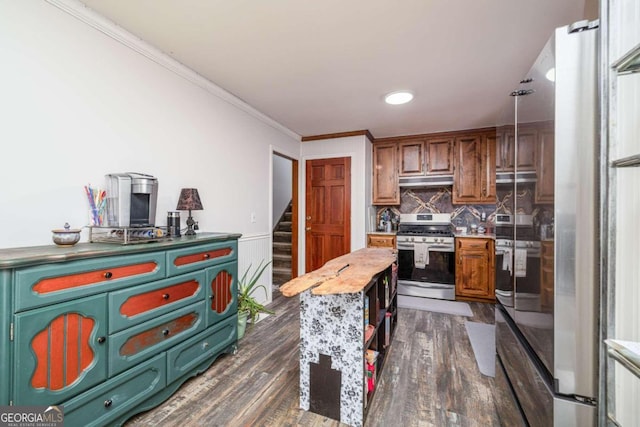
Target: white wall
<point>77,104</point>
<point>359,149</point>
<point>282,185</point>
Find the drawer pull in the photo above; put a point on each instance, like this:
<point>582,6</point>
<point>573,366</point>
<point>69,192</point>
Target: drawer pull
<point>108,403</point>
<point>205,345</point>
<point>108,275</point>
<point>165,296</point>
<point>101,340</point>
<point>165,332</point>
<point>207,256</point>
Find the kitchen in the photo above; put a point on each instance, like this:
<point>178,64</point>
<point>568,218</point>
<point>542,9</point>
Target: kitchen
<point>79,114</point>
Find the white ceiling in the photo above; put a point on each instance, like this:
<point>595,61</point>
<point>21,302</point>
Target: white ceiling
<point>323,66</point>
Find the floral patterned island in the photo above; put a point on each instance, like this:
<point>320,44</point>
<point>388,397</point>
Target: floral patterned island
<point>348,313</point>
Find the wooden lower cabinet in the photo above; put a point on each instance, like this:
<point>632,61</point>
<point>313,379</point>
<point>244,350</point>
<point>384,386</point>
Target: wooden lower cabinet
<point>547,275</point>
<point>376,240</point>
<point>107,354</point>
<point>475,268</point>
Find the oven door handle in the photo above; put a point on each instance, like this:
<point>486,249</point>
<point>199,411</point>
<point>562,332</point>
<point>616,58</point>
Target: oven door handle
<point>435,248</point>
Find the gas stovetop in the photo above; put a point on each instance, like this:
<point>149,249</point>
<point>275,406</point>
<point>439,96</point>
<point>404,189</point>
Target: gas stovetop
<point>425,225</point>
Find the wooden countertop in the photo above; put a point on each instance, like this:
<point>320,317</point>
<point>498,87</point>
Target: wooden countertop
<point>34,255</point>
<point>345,274</point>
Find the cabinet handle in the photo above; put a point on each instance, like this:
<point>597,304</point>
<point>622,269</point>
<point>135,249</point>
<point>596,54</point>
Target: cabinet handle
<point>165,296</point>
<point>205,345</point>
<point>108,403</point>
<point>108,275</point>
<point>207,256</point>
<point>213,295</point>
<point>165,332</point>
<point>308,228</point>
<point>101,340</point>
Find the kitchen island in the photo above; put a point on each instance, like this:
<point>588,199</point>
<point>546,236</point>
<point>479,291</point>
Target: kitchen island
<point>348,313</point>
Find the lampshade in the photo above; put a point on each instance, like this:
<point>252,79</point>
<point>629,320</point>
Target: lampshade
<point>189,200</point>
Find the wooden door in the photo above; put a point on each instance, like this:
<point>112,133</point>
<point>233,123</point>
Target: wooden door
<point>545,170</point>
<point>328,210</point>
<point>386,190</point>
<point>411,158</point>
<point>488,189</point>
<point>475,268</point>
<point>468,171</point>
<point>440,156</point>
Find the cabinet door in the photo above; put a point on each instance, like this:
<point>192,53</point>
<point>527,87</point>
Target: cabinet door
<point>468,169</point>
<point>222,292</point>
<point>545,170</point>
<point>129,307</point>
<point>51,283</point>
<point>411,158</point>
<point>194,258</point>
<point>475,269</point>
<point>141,342</point>
<point>386,189</point>
<point>501,147</point>
<point>488,190</point>
<point>60,351</point>
<point>439,152</point>
<point>527,140</point>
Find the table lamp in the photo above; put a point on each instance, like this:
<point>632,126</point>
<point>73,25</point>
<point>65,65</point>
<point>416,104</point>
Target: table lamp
<point>189,201</point>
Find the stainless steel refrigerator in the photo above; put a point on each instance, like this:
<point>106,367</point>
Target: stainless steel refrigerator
<point>547,313</point>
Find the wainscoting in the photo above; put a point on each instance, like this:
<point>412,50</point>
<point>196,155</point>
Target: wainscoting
<point>252,250</point>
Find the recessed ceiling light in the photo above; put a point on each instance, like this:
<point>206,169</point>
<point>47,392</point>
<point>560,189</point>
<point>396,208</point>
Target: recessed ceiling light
<point>399,97</point>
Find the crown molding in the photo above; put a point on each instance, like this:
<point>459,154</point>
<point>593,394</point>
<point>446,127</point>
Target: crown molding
<point>364,132</point>
<point>83,13</point>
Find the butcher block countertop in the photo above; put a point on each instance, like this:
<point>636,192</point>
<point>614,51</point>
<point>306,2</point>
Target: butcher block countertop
<point>345,274</point>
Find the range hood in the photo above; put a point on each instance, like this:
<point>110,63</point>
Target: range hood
<point>510,177</point>
<point>426,181</point>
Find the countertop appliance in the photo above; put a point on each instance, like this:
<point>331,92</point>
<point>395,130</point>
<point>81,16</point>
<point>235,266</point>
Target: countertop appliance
<point>547,316</point>
<point>131,199</point>
<point>426,258</point>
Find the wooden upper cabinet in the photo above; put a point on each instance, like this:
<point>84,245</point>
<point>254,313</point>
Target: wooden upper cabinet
<point>505,148</point>
<point>386,190</point>
<point>474,175</point>
<point>545,166</point>
<point>411,158</point>
<point>439,156</point>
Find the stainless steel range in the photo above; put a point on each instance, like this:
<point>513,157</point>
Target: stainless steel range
<point>426,258</point>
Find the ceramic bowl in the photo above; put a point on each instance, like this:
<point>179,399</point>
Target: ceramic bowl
<point>67,236</point>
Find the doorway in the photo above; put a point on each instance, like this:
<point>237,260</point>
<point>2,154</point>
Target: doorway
<point>285,218</point>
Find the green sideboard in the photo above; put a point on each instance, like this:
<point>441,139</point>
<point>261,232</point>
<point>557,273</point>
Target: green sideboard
<point>111,330</point>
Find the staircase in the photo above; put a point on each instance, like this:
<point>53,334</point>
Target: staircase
<point>282,249</point>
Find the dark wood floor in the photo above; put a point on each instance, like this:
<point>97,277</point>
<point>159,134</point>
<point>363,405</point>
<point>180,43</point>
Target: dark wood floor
<point>430,378</point>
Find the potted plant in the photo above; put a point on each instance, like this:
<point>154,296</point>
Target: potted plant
<point>248,307</point>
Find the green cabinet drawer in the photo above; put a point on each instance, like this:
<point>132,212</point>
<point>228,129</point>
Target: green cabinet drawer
<point>222,292</point>
<point>189,354</point>
<point>140,342</point>
<point>129,307</point>
<point>197,257</point>
<point>60,351</point>
<point>51,283</point>
<point>113,399</point>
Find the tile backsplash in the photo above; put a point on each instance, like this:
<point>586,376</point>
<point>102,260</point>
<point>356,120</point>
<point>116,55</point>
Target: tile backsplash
<point>438,200</point>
